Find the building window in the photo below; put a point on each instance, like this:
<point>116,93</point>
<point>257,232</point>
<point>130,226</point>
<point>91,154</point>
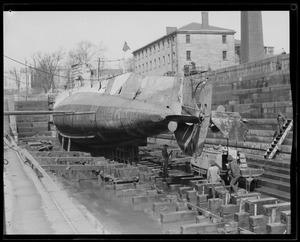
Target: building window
<point>188,55</point>
<point>153,48</point>
<point>158,62</point>
<point>224,39</point>
<point>164,60</point>
<point>154,64</point>
<point>158,47</point>
<point>188,39</point>
<point>150,65</point>
<point>224,55</point>
<point>143,68</point>
<point>163,44</point>
<point>168,43</point>
<point>168,58</point>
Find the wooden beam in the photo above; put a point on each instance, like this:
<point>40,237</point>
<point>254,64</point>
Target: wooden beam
<point>33,112</point>
<point>61,160</point>
<point>202,210</point>
<point>72,167</point>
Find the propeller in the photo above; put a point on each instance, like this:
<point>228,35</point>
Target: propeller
<point>191,135</point>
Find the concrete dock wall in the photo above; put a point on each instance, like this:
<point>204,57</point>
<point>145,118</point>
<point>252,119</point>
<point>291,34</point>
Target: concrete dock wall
<point>259,89</point>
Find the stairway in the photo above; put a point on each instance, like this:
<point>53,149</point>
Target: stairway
<point>278,140</point>
<point>275,181</point>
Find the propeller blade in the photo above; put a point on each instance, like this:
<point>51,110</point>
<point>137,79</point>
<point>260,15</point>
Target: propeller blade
<point>190,138</point>
<point>230,124</point>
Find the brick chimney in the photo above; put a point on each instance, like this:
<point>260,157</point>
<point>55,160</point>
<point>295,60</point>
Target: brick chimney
<point>171,30</point>
<point>204,20</point>
<point>252,43</point>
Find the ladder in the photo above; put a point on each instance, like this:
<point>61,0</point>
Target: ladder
<point>278,140</point>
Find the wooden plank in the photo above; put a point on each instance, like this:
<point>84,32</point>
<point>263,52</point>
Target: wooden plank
<point>70,160</point>
<point>201,228</point>
<point>31,103</point>
<point>177,216</point>
<point>32,124</point>
<point>25,134</point>
<point>202,210</point>
<point>72,167</point>
<point>32,129</point>
<point>29,118</point>
<point>65,154</point>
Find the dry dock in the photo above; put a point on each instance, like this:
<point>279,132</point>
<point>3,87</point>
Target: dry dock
<point>48,190</point>
<point>61,197</point>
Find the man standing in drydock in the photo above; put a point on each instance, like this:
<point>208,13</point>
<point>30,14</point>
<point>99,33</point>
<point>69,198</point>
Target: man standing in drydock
<point>165,156</point>
<point>234,172</point>
<point>213,176</point>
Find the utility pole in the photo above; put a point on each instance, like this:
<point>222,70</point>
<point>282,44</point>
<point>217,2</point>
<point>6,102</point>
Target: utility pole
<point>124,62</point>
<point>26,83</point>
<point>98,72</point>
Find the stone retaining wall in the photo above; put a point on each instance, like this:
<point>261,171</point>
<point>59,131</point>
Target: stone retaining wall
<point>259,89</point>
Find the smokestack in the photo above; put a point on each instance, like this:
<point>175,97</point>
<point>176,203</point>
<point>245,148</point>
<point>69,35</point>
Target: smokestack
<point>252,43</point>
<point>171,30</point>
<point>204,20</point>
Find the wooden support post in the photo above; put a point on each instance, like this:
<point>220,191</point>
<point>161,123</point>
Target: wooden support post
<point>62,141</point>
<point>132,160</point>
<point>69,145</point>
<point>136,149</point>
<point>122,155</point>
<point>248,183</point>
<point>273,216</point>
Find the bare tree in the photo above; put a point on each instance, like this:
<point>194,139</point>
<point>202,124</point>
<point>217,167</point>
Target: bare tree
<point>84,52</point>
<point>46,66</point>
<point>17,78</point>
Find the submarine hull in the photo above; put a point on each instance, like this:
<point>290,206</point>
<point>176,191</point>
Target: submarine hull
<point>100,120</point>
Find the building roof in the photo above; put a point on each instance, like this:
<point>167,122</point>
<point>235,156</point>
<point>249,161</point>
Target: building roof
<point>198,27</point>
<point>111,71</point>
<point>237,42</point>
<point>192,27</point>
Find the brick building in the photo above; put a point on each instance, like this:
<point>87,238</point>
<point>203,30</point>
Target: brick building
<point>208,46</point>
<point>268,51</point>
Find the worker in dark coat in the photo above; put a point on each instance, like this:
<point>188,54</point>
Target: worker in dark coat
<point>280,122</point>
<point>234,172</point>
<point>165,156</point>
<point>281,119</point>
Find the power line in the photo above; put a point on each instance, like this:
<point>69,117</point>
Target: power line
<point>112,60</point>
<point>35,68</point>
<point>54,74</point>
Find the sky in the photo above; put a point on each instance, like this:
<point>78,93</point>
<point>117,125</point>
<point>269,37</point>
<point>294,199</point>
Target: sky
<point>28,32</point>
